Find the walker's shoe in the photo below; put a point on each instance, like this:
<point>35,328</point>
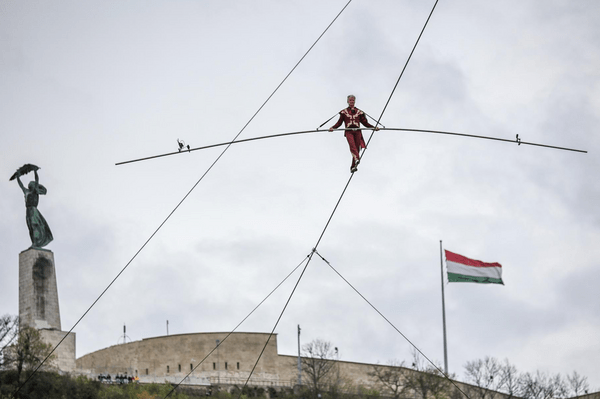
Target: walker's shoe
<point>356,161</point>
<point>353,169</point>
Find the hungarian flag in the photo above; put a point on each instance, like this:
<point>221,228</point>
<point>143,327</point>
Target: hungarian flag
<point>464,270</point>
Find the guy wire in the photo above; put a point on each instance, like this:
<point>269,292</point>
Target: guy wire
<point>321,236</point>
<point>367,145</point>
<point>391,324</point>
<point>185,197</point>
<point>347,184</point>
<point>277,322</point>
<point>402,73</point>
<point>239,324</point>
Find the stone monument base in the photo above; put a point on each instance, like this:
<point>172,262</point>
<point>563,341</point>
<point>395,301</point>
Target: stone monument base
<point>38,294</point>
<point>38,305</point>
<point>65,354</point>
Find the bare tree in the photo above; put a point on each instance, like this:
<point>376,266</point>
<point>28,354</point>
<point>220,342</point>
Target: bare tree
<point>577,384</point>
<point>543,386</point>
<point>317,364</point>
<point>490,376</point>
<point>511,380</point>
<point>8,332</point>
<point>28,352</point>
<point>557,387</point>
<point>486,376</point>
<point>427,380</point>
<point>533,385</point>
<point>392,378</point>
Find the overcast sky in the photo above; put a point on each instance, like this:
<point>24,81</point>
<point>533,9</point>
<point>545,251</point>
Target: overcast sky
<point>84,85</point>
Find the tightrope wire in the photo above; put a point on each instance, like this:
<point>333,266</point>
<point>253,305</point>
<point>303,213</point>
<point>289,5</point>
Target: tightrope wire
<point>517,141</point>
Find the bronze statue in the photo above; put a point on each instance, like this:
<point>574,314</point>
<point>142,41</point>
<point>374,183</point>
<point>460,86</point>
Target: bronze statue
<point>39,231</point>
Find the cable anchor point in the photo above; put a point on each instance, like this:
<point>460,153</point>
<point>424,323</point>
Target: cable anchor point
<point>518,140</point>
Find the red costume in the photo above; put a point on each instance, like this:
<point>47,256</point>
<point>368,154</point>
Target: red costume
<point>352,118</point>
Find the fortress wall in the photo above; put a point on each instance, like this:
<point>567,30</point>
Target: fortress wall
<point>163,356</point>
<point>353,375</point>
<point>155,354</point>
<point>288,369</point>
<point>356,373</point>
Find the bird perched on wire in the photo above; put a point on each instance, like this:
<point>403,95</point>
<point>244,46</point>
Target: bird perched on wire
<point>181,144</point>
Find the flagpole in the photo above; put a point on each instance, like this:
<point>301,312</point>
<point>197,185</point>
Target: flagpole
<point>443,311</point>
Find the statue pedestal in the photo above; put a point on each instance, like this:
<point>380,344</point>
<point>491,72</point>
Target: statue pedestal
<point>65,353</point>
<point>38,303</point>
<point>38,295</point>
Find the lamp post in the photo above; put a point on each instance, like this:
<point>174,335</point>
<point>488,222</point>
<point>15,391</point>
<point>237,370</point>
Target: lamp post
<point>218,366</point>
<point>337,368</point>
<point>299,362</point>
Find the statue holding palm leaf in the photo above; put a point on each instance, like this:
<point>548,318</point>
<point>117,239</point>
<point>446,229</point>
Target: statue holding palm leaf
<point>39,231</point>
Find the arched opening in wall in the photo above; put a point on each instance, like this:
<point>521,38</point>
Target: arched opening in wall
<point>225,365</point>
<point>179,367</point>
<point>167,369</point>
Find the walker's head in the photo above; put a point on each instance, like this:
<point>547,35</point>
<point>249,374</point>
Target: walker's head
<point>31,185</point>
<point>351,100</point>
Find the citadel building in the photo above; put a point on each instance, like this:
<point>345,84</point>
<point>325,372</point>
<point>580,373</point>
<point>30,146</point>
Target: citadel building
<point>218,359</point>
<point>200,358</point>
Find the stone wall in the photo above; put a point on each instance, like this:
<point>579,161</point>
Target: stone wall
<point>347,373</point>
<point>170,358</point>
<point>175,356</point>
<point>65,354</point>
<point>352,376</point>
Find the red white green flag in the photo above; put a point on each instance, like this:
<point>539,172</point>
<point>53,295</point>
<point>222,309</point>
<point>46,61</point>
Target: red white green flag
<point>464,270</point>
